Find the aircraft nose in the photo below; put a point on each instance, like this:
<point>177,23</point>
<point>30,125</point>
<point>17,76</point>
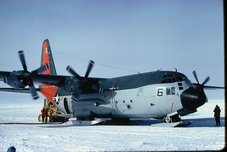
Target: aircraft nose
<point>192,98</point>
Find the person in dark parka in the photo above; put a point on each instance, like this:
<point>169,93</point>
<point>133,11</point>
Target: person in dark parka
<point>11,149</point>
<point>217,112</point>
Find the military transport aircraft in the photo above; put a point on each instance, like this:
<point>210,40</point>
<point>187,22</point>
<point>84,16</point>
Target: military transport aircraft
<point>157,94</point>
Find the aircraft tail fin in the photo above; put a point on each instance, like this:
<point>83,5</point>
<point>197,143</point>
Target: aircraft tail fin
<point>47,58</point>
<point>49,91</point>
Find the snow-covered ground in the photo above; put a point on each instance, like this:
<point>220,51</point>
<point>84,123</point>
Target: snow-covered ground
<point>202,134</point>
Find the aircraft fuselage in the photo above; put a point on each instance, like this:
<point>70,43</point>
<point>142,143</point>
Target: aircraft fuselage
<point>147,95</point>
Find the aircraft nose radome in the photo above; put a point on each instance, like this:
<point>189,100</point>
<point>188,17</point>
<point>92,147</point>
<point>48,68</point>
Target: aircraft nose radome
<point>193,98</point>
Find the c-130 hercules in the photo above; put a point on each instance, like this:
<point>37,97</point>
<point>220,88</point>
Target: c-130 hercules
<point>157,94</point>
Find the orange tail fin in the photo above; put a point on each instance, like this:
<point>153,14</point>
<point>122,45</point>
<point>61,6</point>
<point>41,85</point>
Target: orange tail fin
<point>49,91</point>
<point>47,58</point>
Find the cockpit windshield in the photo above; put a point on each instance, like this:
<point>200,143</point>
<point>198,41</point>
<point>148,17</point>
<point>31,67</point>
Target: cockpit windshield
<point>171,78</point>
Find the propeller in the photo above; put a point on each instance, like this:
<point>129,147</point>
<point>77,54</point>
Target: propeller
<point>195,75</point>
<point>26,75</point>
<point>73,72</point>
<point>202,86</point>
<point>22,60</point>
<point>206,80</point>
<point>197,80</point>
<point>82,80</point>
<point>33,91</point>
<point>89,68</point>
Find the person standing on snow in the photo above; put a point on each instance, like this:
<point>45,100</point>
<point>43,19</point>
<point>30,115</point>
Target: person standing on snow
<point>44,115</point>
<point>11,149</point>
<point>217,112</point>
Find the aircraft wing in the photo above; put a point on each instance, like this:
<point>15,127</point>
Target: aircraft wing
<point>37,78</point>
<point>87,84</point>
<point>25,90</point>
<point>49,79</point>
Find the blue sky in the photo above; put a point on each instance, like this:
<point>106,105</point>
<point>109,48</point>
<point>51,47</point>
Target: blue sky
<point>129,35</point>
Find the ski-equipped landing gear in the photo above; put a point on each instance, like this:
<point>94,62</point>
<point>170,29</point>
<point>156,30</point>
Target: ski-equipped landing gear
<point>173,118</point>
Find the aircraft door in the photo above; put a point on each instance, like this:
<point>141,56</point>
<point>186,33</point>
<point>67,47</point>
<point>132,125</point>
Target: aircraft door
<point>65,104</point>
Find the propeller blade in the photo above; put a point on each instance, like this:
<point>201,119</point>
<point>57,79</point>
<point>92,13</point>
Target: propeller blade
<point>33,91</point>
<point>41,69</point>
<point>22,59</point>
<point>213,87</point>
<point>89,68</point>
<point>206,80</point>
<point>71,71</point>
<point>195,75</point>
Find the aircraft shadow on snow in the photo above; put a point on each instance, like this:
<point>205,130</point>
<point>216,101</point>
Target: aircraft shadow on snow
<point>205,122</point>
<point>197,122</point>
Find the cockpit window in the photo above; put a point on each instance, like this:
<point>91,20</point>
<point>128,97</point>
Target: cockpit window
<point>170,78</point>
<point>188,82</point>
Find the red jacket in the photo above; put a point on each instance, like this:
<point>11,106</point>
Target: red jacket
<point>44,112</point>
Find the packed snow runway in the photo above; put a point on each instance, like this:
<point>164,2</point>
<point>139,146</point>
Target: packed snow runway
<point>202,134</point>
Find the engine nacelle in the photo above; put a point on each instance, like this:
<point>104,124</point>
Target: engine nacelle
<point>14,80</point>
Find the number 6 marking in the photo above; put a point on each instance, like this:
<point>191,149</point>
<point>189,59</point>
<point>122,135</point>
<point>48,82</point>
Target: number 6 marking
<point>159,92</point>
